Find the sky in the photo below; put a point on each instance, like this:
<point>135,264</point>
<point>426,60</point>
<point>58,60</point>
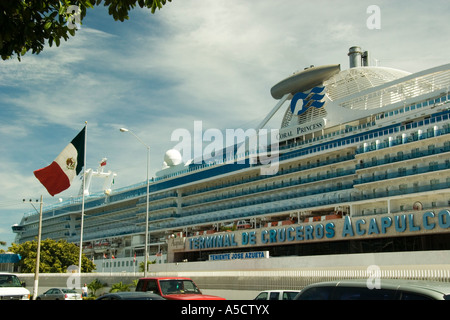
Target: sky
<point>211,61</point>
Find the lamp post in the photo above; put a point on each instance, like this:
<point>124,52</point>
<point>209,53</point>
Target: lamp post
<point>148,187</point>
<point>38,253</point>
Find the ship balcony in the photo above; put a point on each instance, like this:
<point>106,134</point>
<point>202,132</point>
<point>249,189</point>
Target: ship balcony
<point>239,194</point>
<point>286,206</point>
<point>401,191</point>
<point>282,172</point>
<point>300,199</point>
<point>401,157</point>
<point>157,197</point>
<point>412,135</point>
<point>402,172</point>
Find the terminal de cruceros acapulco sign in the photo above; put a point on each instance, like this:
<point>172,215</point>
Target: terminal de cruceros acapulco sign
<point>379,226</point>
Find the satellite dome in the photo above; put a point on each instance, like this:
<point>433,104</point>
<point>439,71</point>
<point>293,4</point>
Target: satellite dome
<point>172,157</point>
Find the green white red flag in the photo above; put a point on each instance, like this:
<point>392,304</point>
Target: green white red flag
<point>58,176</point>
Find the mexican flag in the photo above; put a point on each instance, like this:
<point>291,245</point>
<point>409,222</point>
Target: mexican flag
<point>59,175</point>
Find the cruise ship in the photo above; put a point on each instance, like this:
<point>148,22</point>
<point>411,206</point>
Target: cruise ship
<point>362,166</point>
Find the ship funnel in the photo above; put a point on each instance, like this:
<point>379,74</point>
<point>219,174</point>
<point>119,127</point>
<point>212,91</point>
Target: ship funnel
<point>365,59</point>
<point>358,57</point>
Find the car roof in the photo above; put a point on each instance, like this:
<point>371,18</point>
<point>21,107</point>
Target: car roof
<point>8,273</point>
<point>287,290</point>
<point>165,278</point>
<point>402,284</point>
<point>127,294</point>
<point>133,293</point>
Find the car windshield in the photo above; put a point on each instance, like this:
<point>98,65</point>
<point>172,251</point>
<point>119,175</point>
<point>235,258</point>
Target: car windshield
<point>9,280</point>
<point>178,287</point>
<point>68,290</point>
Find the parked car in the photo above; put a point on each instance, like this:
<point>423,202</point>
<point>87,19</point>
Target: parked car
<point>131,296</point>
<point>11,288</point>
<point>173,288</point>
<point>277,295</point>
<point>59,294</point>
<point>388,289</point>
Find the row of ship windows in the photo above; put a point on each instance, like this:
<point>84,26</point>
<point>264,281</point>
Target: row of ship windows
<point>322,176</point>
<point>304,204</point>
<point>341,142</point>
<point>364,137</point>
<point>123,264</point>
<point>412,107</point>
<point>429,102</point>
<point>296,181</point>
<point>318,177</point>
<point>282,171</point>
<point>119,264</point>
<point>415,153</point>
<point>402,189</point>
<point>321,189</point>
<point>378,176</point>
<point>429,205</point>
<point>432,184</point>
<point>400,156</point>
<point>401,172</point>
<point>405,138</point>
<point>369,124</point>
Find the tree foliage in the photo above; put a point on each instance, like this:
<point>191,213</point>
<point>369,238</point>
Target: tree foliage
<point>55,256</point>
<point>28,24</point>
<point>141,265</point>
<point>94,286</point>
<point>120,287</point>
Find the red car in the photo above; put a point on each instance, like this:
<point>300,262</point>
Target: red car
<point>173,288</point>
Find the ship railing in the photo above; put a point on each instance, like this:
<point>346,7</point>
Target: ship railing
<point>295,182</point>
<point>403,109</point>
<point>402,157</point>
<point>400,90</point>
<point>138,189</point>
<point>414,135</point>
<point>304,204</point>
<point>281,172</point>
<point>257,210</point>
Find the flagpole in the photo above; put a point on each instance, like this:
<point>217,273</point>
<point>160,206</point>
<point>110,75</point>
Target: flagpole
<point>82,201</point>
<point>36,272</point>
